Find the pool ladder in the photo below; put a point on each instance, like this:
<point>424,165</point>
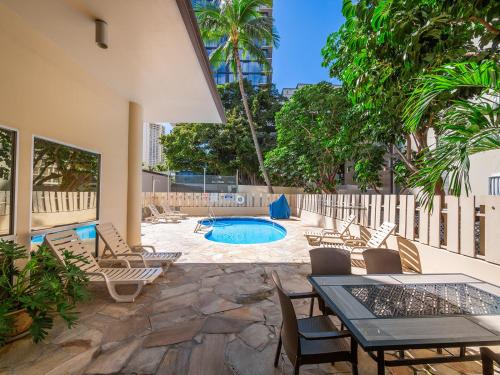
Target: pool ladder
<point>211,220</point>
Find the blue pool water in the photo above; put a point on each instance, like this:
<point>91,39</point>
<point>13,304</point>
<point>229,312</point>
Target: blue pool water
<point>242,230</point>
<point>85,233</point>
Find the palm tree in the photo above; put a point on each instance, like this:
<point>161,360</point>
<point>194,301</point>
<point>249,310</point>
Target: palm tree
<point>240,29</point>
<point>467,126</point>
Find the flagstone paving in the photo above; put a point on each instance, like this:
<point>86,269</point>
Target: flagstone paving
<point>214,313</point>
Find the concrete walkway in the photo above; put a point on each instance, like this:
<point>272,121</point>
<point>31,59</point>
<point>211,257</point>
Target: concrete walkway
<point>215,313</point>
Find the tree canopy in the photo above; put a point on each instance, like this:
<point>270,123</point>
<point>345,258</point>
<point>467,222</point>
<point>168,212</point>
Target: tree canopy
<point>382,49</point>
<point>225,148</point>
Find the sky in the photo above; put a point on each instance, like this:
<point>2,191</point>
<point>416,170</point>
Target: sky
<point>303,27</point>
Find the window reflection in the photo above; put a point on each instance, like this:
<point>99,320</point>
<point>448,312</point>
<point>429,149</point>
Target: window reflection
<point>7,168</point>
<point>65,185</point>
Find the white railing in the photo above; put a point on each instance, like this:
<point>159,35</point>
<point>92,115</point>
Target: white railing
<point>63,201</point>
<point>467,225</point>
<point>216,200</point>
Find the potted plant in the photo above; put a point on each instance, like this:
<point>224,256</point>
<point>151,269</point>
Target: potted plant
<point>35,289</point>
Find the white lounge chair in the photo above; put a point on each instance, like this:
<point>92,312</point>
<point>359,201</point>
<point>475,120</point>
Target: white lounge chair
<point>317,237</point>
<point>174,213</point>
<point>69,241</point>
<point>157,217</point>
<point>117,246</point>
<point>377,239</point>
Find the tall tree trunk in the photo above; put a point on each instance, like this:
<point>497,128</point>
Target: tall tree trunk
<point>250,122</point>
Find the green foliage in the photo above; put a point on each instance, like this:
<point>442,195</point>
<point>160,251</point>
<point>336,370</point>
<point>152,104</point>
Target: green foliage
<point>224,148</point>
<point>467,126</point>
<point>43,286</point>
<point>239,29</point>
<point>385,45</point>
<point>238,26</point>
<point>308,124</point>
<point>76,170</point>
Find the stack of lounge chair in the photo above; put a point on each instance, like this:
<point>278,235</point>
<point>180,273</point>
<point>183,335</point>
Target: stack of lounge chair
<point>157,217</point>
<point>376,240</point>
<point>316,238</point>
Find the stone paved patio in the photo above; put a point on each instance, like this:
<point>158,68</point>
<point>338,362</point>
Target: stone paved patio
<point>215,313</point>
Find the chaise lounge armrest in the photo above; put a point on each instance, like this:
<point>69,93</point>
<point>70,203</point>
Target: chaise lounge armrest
<point>114,260</point>
<point>143,247</point>
<point>324,335</point>
<point>138,257</point>
<point>355,242</point>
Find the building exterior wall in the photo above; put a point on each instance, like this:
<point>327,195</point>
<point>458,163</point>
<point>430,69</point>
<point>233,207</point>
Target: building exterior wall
<point>483,166</point>
<point>152,151</point>
<point>44,93</point>
<point>252,70</point>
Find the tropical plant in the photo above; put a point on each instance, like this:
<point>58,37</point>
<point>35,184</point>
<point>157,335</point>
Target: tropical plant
<point>470,124</point>
<point>305,155</point>
<point>41,285</point>
<point>225,148</point>
<point>384,45</point>
<point>240,29</point>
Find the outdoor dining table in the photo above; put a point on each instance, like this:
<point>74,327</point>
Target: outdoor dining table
<point>414,311</point>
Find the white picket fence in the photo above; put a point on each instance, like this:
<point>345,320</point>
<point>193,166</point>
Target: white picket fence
<point>466,225</point>
<point>214,199</point>
<point>63,201</point>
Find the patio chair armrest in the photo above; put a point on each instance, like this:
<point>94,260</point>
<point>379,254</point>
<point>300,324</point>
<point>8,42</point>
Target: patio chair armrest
<point>115,260</point>
<point>137,256</point>
<point>301,295</point>
<point>324,335</point>
<point>141,247</point>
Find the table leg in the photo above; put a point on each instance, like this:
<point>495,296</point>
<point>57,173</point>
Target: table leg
<point>380,362</point>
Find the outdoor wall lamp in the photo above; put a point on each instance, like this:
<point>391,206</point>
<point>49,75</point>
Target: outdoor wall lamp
<point>101,33</point>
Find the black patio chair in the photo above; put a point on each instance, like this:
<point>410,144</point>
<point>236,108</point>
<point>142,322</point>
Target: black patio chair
<point>311,340</point>
<point>488,357</point>
<point>379,261</point>
<point>328,261</point>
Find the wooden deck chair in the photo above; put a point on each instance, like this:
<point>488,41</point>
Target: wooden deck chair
<point>174,213</point>
<point>112,277</point>
<point>377,239</point>
<point>156,217</point>
<point>316,237</point>
<point>117,246</point>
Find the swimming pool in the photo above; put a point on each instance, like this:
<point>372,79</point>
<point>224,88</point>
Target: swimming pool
<point>86,232</point>
<point>243,230</point>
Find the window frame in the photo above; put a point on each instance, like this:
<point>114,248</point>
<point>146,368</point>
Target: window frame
<point>11,236</point>
<point>58,228</point>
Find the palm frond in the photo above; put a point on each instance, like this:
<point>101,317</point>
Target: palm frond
<point>483,76</point>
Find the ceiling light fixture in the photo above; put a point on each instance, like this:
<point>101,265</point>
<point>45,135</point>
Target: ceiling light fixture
<point>101,33</point>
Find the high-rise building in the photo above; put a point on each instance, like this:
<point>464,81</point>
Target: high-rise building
<point>152,151</point>
<point>254,72</point>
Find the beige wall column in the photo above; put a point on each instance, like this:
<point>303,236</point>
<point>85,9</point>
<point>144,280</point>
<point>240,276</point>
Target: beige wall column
<point>135,125</point>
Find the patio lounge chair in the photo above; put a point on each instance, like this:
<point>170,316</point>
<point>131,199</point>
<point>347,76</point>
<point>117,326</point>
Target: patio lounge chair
<point>376,240</point>
<point>156,217</point>
<point>117,246</point>
<point>317,237</point>
<point>311,340</point>
<point>167,210</point>
<point>488,357</point>
<point>69,240</point>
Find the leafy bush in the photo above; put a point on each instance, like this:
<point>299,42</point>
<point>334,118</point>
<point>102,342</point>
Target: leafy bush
<point>40,284</point>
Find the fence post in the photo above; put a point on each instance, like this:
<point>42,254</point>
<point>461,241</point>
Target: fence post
<point>492,228</point>
<point>452,224</point>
